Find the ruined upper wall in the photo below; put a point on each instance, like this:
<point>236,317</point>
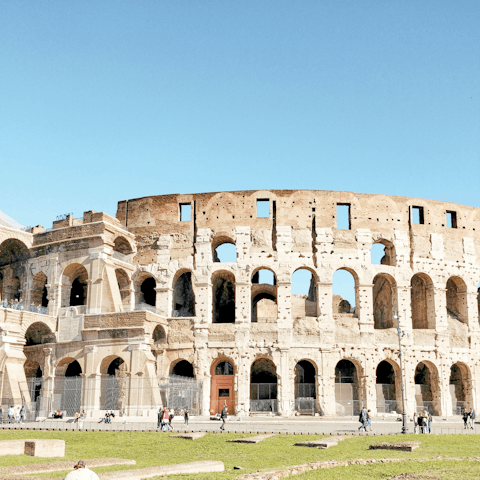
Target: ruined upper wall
<point>300,209</point>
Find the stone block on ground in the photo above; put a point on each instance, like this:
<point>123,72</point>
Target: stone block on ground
<point>45,448</point>
<point>190,436</point>
<point>402,446</point>
<point>208,466</point>
<point>322,443</point>
<point>256,439</point>
<point>12,447</point>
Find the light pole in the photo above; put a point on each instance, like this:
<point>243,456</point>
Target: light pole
<point>401,334</point>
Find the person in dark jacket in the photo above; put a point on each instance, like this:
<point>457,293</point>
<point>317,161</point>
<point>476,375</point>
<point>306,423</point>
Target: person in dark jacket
<point>223,416</point>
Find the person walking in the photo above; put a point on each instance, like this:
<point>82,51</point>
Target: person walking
<point>186,414</point>
<point>10,414</point>
<point>159,417</point>
<point>471,418</point>
<point>428,416</point>
<point>362,418</point>
<point>465,418</point>
<point>223,416</point>
<point>22,414</point>
<point>369,421</point>
<point>415,422</point>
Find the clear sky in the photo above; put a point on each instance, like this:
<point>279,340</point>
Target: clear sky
<point>102,101</point>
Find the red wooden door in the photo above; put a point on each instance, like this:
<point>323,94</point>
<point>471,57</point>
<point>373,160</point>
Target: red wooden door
<point>222,393</point>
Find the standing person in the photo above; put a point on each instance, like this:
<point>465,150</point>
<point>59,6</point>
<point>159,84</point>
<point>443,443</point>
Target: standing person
<point>22,414</point>
<point>81,418</point>
<point>166,419</point>
<point>362,418</point>
<point>223,416</point>
<point>471,418</point>
<point>429,421</point>
<point>420,424</point>
<point>81,472</point>
<point>17,415</point>
<point>10,414</point>
<point>186,414</point>
<point>159,417</point>
<point>369,421</point>
<point>415,422</point>
<point>1,414</point>
<point>465,418</point>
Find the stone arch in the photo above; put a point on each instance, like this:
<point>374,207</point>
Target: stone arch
<point>39,294</point>
<point>224,248</point>
<point>304,298</point>
<point>124,285</point>
<point>122,246</point>
<point>384,300</point>
<point>182,368</point>
<point>64,363</point>
<point>109,364</point>
<point>159,335</point>
<point>33,375</point>
<point>68,385</point>
<point>461,389</point>
<point>263,385</point>
<point>183,294</point>
<point>1,287</point>
<point>341,304</point>
<point>305,387</point>
<point>222,391</point>
<point>256,276</point>
<point>74,285</point>
<point>146,291</point>
<point>389,387</point>
<point>13,250</point>
<point>457,302</point>
<point>38,333</point>
<point>32,369</point>
<point>223,297</point>
<point>427,388</point>
<point>389,253</point>
<point>422,301</point>
<point>349,393</point>
<point>50,322</point>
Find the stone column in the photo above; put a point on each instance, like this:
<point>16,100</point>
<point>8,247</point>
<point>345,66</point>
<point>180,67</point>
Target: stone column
<point>243,302</point>
<point>202,372</point>
<point>285,391</point>
<point>243,383</point>
<point>54,297</point>
<point>48,383</point>
<point>409,366</point>
<point>437,315</point>
<point>131,299</point>
<point>95,280</point>
<point>284,304</point>
<point>325,313</point>
<point>364,309</point>
<point>203,301</point>
<point>326,384</point>
<point>164,300</point>
<point>91,381</point>
<point>444,386</point>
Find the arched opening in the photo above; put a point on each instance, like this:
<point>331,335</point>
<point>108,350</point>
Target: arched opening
<point>460,388</point>
<point>68,385</point>
<point>264,277</point>
<point>183,296</point>
<point>13,251</point>
<point>13,257</point>
<point>1,287</point>
<point>387,397</point>
<point>427,390</point>
<point>344,292</point>
<point>122,246</point>
<point>223,287</point>
<point>123,285</point>
<point>38,333</point>
<point>148,294</point>
<point>264,296</point>
<point>457,299</point>
<point>183,369</point>
<point>304,294</point>
<point>305,390</point>
<point>159,335</point>
<point>222,389</point>
<point>347,391</point>
<point>383,301</point>
<point>383,253</point>
<point>225,253</point>
<point>39,294</point>
<point>75,285</point>
<point>422,302</point>
<point>114,384</point>
<point>263,386</point>
<point>33,374</point>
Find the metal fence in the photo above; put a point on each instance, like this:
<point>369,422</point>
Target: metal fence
<point>263,397</point>
<point>305,405</point>
<point>458,407</point>
<point>179,392</point>
<point>426,405</point>
<point>386,398</point>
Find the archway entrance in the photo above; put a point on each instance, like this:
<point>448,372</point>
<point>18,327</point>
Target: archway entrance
<point>386,389</point>
<point>263,386</point>
<point>347,399</point>
<point>305,397</point>
<point>460,388</point>
<point>427,390</point>
<point>71,389</point>
<point>114,387</point>
<point>223,388</point>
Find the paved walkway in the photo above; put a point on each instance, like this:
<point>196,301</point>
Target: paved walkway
<point>297,425</point>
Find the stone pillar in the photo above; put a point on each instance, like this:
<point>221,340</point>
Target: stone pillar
<point>48,383</point>
<point>203,374</point>
<point>369,382</point>
<point>444,386</point>
<point>243,302</point>
<point>131,299</point>
<point>91,381</point>
<point>325,312</point>
<point>54,297</point>
<point>285,390</point>
<point>164,300</point>
<point>437,317</point>
<point>409,366</point>
<point>326,384</point>
<point>243,383</point>
<point>284,304</point>
<point>364,309</point>
<point>95,279</point>
<point>203,301</point>
<point>243,242</point>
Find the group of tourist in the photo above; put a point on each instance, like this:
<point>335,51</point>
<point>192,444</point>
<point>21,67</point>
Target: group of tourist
<point>164,419</point>
<point>365,420</point>
<point>108,417</point>
<point>14,414</point>
<point>468,419</point>
<point>16,305</point>
<point>422,423</point>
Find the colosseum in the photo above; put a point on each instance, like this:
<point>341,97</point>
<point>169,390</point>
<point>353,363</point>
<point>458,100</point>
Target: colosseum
<point>187,300</point>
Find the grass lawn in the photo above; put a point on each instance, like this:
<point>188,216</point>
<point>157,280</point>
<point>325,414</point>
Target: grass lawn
<point>152,448</point>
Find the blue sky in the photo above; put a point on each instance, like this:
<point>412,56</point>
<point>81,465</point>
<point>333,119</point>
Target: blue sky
<point>105,101</point>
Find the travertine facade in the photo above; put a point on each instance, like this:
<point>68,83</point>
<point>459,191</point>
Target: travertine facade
<point>147,287</point>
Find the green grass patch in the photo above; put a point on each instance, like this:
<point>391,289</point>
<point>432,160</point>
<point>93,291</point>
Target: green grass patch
<point>156,448</point>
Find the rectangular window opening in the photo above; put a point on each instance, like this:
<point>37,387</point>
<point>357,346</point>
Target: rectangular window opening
<point>263,208</point>
<point>343,216</point>
<point>417,215</point>
<point>224,392</point>
<point>451,219</point>
<point>185,212</point>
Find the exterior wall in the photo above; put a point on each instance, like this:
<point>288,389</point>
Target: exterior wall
<point>300,232</point>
